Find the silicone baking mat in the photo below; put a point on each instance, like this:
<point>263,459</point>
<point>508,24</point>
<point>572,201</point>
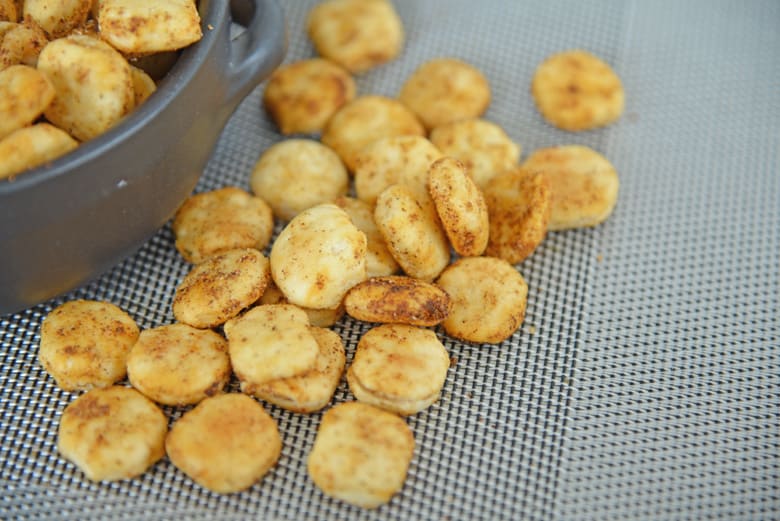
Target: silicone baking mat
<point>644,381</point>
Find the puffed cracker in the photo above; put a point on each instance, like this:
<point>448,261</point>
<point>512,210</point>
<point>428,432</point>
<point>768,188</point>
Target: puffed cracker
<point>399,368</point>
<point>137,27</point>
<point>364,120</point>
<point>361,454</point>
<point>482,146</point>
<point>57,17</point>
<point>519,205</point>
<point>460,205</point>
<point>210,223</point>
<point>33,146</point>
<point>296,174</point>
<point>393,160</point>
<point>444,90</point>
<point>8,11</point>
<point>220,287</point>
<point>575,90</point>
<point>488,299</point>
<point>21,43</point>
<point>269,342</point>
<point>85,343</point>
<point>302,96</point>
<point>317,317</point>
<point>177,364</point>
<point>143,85</point>
<point>93,85</point>
<point>24,95</point>
<point>112,434</point>
<point>412,233</point>
<point>318,257</point>
<point>399,300</point>
<point>356,34</point>
<point>379,260</point>
<point>583,184</point>
<point>226,443</point>
<point>313,389</point>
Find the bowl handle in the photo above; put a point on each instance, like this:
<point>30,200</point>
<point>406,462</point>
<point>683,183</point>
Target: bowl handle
<point>259,49</point>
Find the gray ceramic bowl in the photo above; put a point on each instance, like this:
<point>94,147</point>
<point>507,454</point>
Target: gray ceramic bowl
<point>71,220</point>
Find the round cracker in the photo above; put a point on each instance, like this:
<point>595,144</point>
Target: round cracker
<point>313,389</point>
<point>575,90</point>
<point>24,95</point>
<point>363,121</point>
<point>178,364</point>
<point>361,454</point>
<point>220,287</point>
<point>112,433</point>
<point>318,256</point>
<point>356,34</point>
<point>519,205</point>
<point>269,342</point>
<point>460,206</point>
<point>488,299</point>
<point>444,90</point>
<point>399,300</point>
<point>84,344</point>
<point>302,96</point>
<point>393,160</point>
<point>317,317</point>
<point>214,222</point>
<point>226,443</point>
<point>483,147</point>
<point>412,233</point>
<point>398,367</point>
<point>583,184</point>
<point>296,174</point>
<point>33,146</point>
<point>379,260</point>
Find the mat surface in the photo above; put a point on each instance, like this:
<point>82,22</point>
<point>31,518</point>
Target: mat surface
<point>644,382</point>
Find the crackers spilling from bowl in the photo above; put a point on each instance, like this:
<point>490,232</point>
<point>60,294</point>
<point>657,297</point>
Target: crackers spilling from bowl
<point>409,213</point>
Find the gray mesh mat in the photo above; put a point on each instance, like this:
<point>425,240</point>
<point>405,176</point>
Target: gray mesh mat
<point>644,382</point>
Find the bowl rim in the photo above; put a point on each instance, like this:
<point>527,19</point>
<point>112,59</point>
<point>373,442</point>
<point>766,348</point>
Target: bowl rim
<point>212,17</point>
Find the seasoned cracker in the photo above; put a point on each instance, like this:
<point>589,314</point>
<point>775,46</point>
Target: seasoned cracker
<point>32,146</point>
<point>143,85</point>
<point>393,160</point>
<point>210,223</point>
<point>444,90</point>
<point>178,364</point>
<point>399,368</point>
<point>583,184</point>
<point>137,27</point>
<point>412,233</point>
<point>356,34</point>
<point>317,317</point>
<point>85,343</point>
<point>313,389</point>
<point>460,205</point>
<point>575,90</point>
<point>57,17</point>
<point>483,147</point>
<point>302,96</point>
<point>112,434</point>
<point>8,11</point>
<point>363,121</point>
<point>488,299</point>
<point>296,174</point>
<point>398,300</point>
<point>93,85</point>
<point>269,342</point>
<point>519,205</point>
<point>226,443</point>
<point>361,454</point>
<point>318,256</point>
<point>24,95</point>
<point>21,43</point>
<point>220,287</point>
<point>379,260</point>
